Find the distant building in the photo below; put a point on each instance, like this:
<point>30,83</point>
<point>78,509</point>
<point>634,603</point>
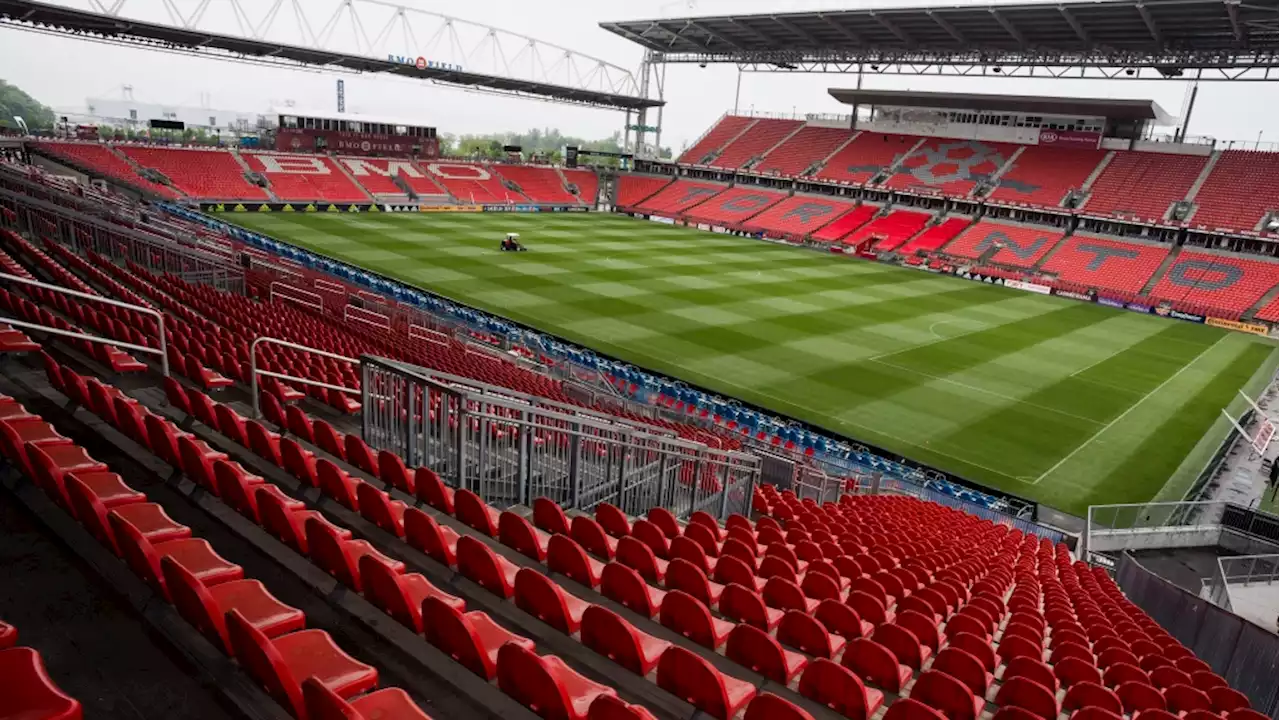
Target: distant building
<point>133,114</point>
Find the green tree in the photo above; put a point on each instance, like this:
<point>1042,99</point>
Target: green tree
<point>15,102</point>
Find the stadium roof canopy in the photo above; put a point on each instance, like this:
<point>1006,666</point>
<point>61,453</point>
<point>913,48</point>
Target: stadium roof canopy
<point>44,17</point>
<point>1171,34</point>
<point>1070,106</point>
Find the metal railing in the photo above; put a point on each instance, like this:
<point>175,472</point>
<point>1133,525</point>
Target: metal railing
<point>509,450</point>
<point>162,351</point>
<point>1242,570</point>
<point>1173,524</point>
<point>254,372</point>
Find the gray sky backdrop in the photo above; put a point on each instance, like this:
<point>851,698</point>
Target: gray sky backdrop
<point>62,72</point>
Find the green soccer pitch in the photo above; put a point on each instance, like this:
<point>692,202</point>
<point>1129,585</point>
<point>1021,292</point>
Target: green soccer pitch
<point>1063,402</point>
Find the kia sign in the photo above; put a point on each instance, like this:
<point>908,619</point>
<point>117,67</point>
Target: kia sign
<point>1078,139</point>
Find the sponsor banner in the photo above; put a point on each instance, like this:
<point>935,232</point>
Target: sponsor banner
<point>719,229</point>
<point>1138,307</point>
<point>1073,295</point>
<point>566,208</point>
<point>300,140</point>
<point>449,208</point>
<point>1029,287</point>
<point>400,208</point>
<point>1189,317</point>
<point>703,226</point>
<point>1071,139</point>
<point>511,208</point>
<point>663,220</point>
<point>1110,303</point>
<point>297,207</point>
<point>1233,325</point>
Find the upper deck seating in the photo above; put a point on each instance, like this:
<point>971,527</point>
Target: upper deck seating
<point>865,157</point>
<point>201,174</point>
<point>801,151</point>
<point>755,142</point>
<point>1240,190</point>
<point>1043,175</point>
<point>717,137</point>
<point>950,166</point>
<point>1143,185</point>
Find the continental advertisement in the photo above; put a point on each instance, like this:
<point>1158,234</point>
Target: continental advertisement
<point>298,207</point>
<point>450,208</point>
<point>1233,325</point>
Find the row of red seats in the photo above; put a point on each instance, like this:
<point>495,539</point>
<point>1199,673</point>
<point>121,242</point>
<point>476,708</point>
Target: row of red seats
<point>727,128</point>
<point>238,615</point>
<point>100,159</point>
<point>410,598</point>
<point>541,184</point>
<point>26,690</point>
<point>733,206</point>
<point>797,216</point>
<point>803,150</point>
<point>1017,245</point>
<point>1229,283</point>
<point>762,135</point>
<point>674,199</point>
<point>1099,262</point>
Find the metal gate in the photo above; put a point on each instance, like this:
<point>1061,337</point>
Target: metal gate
<point>510,449</point>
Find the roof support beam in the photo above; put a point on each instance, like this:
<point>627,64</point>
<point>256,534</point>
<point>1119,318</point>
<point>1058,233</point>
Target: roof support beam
<point>951,29</point>
<point>893,28</point>
<point>712,35</point>
<point>759,36</point>
<point>851,35</point>
<point>1008,26</point>
<point>677,37</point>
<point>1075,25</point>
<point>638,39</point>
<point>1150,21</point>
<point>1233,12</point>
<point>796,30</point>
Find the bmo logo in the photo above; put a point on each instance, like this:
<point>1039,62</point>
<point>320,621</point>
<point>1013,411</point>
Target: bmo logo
<point>459,172</point>
<point>1049,137</point>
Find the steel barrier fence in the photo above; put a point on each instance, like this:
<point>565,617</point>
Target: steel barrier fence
<point>1240,570</point>
<point>1243,653</point>
<point>510,450</point>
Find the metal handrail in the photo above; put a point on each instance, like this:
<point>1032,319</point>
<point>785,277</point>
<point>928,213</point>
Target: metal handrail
<point>254,372</point>
<point>164,347</point>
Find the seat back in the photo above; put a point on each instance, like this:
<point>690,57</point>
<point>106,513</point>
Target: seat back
<point>873,663</point>
<point>624,585</point>
<point>163,440</point>
<point>757,651</point>
<point>260,658</point>
<point>1184,698</point>
<point>195,604</point>
<point>298,462</point>
<point>639,557</point>
<point>431,489</point>
<point>272,410</point>
<point>195,465</point>
<point>869,607</point>
<point>424,534</point>
<point>694,680</point>
<point>613,520</point>
<point>328,439</point>
<point>524,676</point>
<point>704,537</point>
<point>819,586</point>
<point>299,424</point>
<point>381,586</point>
<point>909,709</point>
<point>392,471</point>
<point>963,667</point>
<point>137,551</point>
<point>1227,699</point>
<point>478,562</point>
<point>729,569</point>
<point>804,633</point>
<point>450,630</point>
<point>516,533</point>
<point>359,454</point>
<point>684,614</point>
<point>231,424</point>
<point>548,516</point>
<point>233,487</point>
<point>977,647</point>
<point>610,707</point>
<point>1085,693</point>
<point>537,595</point>
<point>569,559</point>
<point>260,442</point>
<point>89,510</point>
<point>836,687</point>
<point>129,418</point>
<point>943,692</point>
<point>767,706</point>
<point>665,521</point>
<point>335,483</point>
<point>684,575</point>
<point>329,551</point>
<point>590,536</point>
<point>649,534</point>
<point>1123,672</point>
<point>278,519</point>
<point>839,619</point>
<point>784,595</point>
<point>472,512</point>
<point>375,506</point>
<point>613,637</point>
<point>177,395</point>
<point>325,704</point>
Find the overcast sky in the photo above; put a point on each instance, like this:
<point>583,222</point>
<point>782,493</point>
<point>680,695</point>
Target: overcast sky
<point>63,72</point>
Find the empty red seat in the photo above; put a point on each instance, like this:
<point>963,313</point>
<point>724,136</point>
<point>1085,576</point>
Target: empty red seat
<point>1029,695</point>
<point>744,605</point>
<point>977,647</point>
<point>472,639</point>
<point>286,522</point>
<point>840,619</point>
<point>665,521</point>
<point>610,707</point>
<point>903,644</point>
<point>1227,699</point>
<point>696,681</point>
<point>194,554</point>
<point>277,663</point>
<point>786,595</point>
<point>1184,698</point>
<point>964,667</point>
<point>1085,693</point>
<point>683,575</point>
<point>613,637</point>
<point>767,706</point>
<point>29,692</point>
<point>328,439</point>
<point>909,709</point>
<point>684,614</point>
<point>206,607</point>
<point>567,557</point>
<point>324,704</point>
<point>359,454</point>
<point>758,651</point>
<point>487,568</point>
<point>639,556</point>
<point>475,513</point>
<point>592,537</point>
<point>941,691</point>
<point>623,585</point>
<point>400,594</point>
<point>548,516</point>
<point>337,554</point>
<point>377,507</point>
<point>337,484</point>
<point>838,688</point>
<point>875,664</point>
<point>1071,670</point>
<point>537,595</point>
<point>545,684</point>
<point>238,489</point>
<point>613,520</point>
<point>426,535</point>
<point>392,471</point>
<point>1033,670</point>
<point>806,634</point>
<point>649,534</point>
<point>299,462</point>
<point>518,534</point>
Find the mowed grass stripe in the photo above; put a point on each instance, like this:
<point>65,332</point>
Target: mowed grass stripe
<point>990,383</point>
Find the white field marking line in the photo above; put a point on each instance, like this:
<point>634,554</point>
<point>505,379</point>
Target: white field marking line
<point>1122,415</point>
<point>1092,365</point>
<point>985,326</point>
<point>992,393</point>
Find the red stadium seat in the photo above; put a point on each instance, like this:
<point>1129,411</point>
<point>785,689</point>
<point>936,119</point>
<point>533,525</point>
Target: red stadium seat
<point>689,617</point>
<point>945,693</point>
<point>472,639</point>
<point>400,595</point>
<point>539,596</point>
<point>477,562</point>
<point>324,704</point>
<point>29,692</point>
<point>625,586</point>
<point>546,683</point>
<point>615,638</point>
<point>697,682</point>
